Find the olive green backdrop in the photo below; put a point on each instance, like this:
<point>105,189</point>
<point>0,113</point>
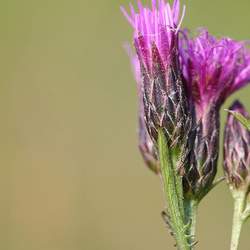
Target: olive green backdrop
<point>71,175</point>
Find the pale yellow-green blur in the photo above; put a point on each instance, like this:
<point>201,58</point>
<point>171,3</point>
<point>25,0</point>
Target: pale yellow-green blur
<point>71,175</point>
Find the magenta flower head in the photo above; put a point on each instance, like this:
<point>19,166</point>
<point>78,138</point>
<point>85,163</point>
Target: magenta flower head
<point>155,31</point>
<point>165,105</point>
<point>237,150</point>
<point>213,69</point>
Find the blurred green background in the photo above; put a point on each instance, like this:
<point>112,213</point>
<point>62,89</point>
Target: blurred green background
<point>71,175</point>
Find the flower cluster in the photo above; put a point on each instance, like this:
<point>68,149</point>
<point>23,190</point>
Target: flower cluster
<point>182,83</point>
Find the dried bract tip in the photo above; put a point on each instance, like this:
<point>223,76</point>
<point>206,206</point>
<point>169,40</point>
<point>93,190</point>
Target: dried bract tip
<point>237,150</point>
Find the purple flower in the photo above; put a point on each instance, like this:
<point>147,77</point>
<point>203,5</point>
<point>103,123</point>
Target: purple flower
<point>237,149</point>
<point>213,68</point>
<point>159,77</point>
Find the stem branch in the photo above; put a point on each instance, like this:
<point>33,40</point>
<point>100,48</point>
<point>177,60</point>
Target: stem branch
<point>191,215</point>
<point>239,203</point>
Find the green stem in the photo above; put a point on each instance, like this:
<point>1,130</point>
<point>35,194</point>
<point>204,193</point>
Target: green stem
<point>191,215</point>
<point>173,190</point>
<point>238,220</point>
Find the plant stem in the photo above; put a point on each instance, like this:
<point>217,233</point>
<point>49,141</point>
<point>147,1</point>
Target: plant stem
<point>173,192</point>
<point>239,203</point>
<point>191,206</point>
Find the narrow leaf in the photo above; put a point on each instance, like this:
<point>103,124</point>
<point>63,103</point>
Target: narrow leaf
<point>243,120</point>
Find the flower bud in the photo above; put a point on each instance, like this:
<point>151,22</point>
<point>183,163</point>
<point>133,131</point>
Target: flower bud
<point>237,150</point>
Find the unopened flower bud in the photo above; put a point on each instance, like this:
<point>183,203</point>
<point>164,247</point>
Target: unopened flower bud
<point>237,150</point>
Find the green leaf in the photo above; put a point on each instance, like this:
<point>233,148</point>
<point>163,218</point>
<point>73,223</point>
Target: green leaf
<point>243,120</point>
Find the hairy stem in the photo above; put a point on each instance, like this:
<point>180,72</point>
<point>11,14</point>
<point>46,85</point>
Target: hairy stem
<point>172,187</point>
<point>238,220</point>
